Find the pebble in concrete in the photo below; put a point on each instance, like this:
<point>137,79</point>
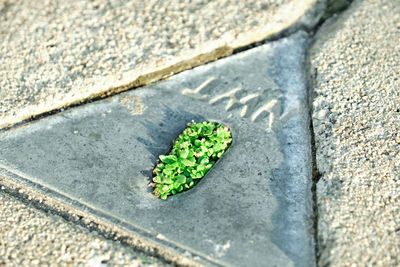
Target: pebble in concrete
<point>56,53</point>
<point>253,208</point>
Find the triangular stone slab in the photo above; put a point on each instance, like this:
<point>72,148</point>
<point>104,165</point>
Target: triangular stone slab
<point>253,209</point>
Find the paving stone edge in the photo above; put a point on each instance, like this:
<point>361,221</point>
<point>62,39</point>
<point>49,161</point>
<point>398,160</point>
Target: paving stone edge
<point>51,201</point>
<point>111,86</point>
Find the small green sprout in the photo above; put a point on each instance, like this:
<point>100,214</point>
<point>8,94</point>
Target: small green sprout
<point>193,154</point>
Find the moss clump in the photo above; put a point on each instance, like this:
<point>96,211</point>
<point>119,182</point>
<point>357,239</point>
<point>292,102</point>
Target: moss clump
<point>193,154</point>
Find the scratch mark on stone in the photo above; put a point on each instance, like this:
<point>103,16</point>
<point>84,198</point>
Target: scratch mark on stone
<point>231,95</point>
<point>196,92</point>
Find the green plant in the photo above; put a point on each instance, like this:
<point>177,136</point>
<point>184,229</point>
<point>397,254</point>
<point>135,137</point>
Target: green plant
<point>193,154</point>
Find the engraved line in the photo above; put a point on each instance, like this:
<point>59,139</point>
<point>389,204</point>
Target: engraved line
<point>244,111</point>
<point>286,117</point>
<point>233,101</point>
<point>198,89</point>
<point>248,104</point>
<point>271,121</point>
<point>249,107</point>
<point>230,95</point>
<point>196,96</point>
<point>275,112</point>
<point>266,108</point>
<point>247,98</point>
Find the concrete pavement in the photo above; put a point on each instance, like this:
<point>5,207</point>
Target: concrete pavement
<point>355,67</point>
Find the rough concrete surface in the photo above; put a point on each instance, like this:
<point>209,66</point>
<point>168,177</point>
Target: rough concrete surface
<point>55,53</point>
<point>31,237</point>
<point>254,207</point>
<point>355,63</point>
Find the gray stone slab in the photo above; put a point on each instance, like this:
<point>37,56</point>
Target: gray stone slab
<point>253,208</point>
<point>57,53</point>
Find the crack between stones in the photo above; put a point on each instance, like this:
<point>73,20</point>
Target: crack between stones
<point>316,175</point>
<point>332,9</point>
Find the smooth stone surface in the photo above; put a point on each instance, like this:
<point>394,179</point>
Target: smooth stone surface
<point>253,208</point>
<point>356,68</point>
<point>57,53</point>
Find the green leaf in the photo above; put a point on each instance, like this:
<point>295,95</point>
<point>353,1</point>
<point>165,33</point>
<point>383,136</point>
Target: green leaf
<point>165,188</point>
<point>160,166</point>
<point>187,162</point>
<point>208,131</point>
<point>168,159</point>
<point>168,180</point>
<point>200,168</point>
<point>172,166</point>
<point>203,160</point>
<point>184,153</point>
<point>218,147</point>
<point>209,166</point>
<point>158,179</point>
<point>196,175</point>
<point>176,185</point>
<point>197,143</point>
<point>181,179</point>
